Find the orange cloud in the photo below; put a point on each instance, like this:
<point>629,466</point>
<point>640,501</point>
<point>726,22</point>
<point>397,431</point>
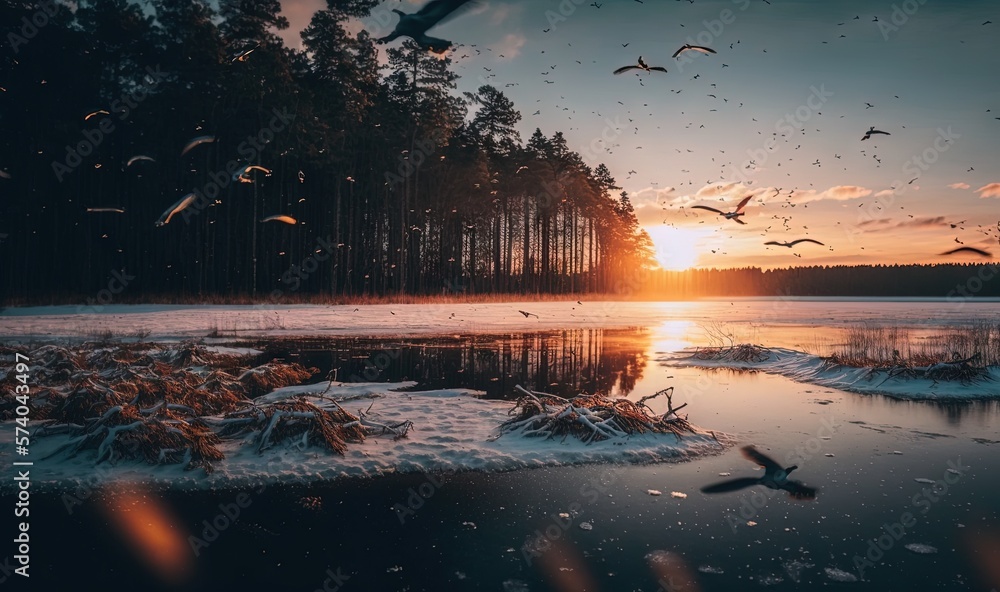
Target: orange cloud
<point>991,190</point>
<point>845,192</point>
<point>959,186</point>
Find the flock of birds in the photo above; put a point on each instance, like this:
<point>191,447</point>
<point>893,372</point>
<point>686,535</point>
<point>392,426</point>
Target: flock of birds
<point>436,12</point>
<point>242,175</point>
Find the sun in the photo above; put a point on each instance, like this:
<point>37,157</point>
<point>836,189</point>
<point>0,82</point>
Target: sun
<point>675,249</point>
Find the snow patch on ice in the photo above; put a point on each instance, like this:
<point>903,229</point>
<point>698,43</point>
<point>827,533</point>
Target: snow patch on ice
<point>803,367</point>
<point>454,430</point>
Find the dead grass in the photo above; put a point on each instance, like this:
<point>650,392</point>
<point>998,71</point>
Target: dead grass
<point>591,418</point>
<point>870,345</point>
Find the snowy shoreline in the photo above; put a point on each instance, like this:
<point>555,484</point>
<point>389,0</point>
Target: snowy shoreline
<point>808,368</point>
<point>201,417</point>
<point>453,431</point>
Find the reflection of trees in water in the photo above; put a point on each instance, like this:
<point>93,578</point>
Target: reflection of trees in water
<point>607,361</point>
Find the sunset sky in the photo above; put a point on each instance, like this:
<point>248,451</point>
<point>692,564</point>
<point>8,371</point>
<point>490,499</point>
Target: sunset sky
<point>791,103</point>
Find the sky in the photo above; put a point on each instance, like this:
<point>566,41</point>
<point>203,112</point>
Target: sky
<point>777,113</point>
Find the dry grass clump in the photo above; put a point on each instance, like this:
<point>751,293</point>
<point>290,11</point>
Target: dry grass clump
<point>274,375</point>
<point>591,418</point>
<point>955,354</point>
<point>143,401</point>
<point>744,352</point>
<point>163,405</point>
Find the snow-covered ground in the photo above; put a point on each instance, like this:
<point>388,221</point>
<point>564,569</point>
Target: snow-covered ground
<point>803,367</point>
<point>453,431</point>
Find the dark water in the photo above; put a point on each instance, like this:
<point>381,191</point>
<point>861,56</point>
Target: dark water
<point>476,531</point>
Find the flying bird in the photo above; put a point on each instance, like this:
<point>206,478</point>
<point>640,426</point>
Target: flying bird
<point>698,48</point>
<point>871,131</point>
<point>106,210</point>
<point>973,250</point>
<point>178,207</point>
<point>137,158</point>
<point>243,55</point>
<point>197,142</point>
<point>734,215</point>
<point>415,25</point>
<point>281,218</point>
<point>95,113</point>
<point>774,477</point>
<point>794,242</point>
<point>640,66</point>
<point>528,314</point>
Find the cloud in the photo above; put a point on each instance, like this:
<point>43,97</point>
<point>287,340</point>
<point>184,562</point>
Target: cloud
<point>722,190</point>
<point>925,222</point>
<point>510,46</point>
<point>991,190</point>
<point>653,195</point>
<point>885,193</point>
<point>845,192</point>
<point>959,186</point>
<point>503,13</point>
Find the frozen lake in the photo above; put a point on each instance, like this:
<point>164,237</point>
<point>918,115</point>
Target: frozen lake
<point>876,461</point>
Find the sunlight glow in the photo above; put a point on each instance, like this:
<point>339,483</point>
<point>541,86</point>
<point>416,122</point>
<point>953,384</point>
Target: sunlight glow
<point>676,249</point>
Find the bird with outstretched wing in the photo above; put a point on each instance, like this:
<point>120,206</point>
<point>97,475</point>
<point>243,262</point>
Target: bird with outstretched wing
<point>416,25</point>
<point>774,477</point>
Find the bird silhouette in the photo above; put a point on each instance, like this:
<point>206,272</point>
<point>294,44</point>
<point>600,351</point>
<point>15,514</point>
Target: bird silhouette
<point>175,209</point>
<point>774,477</point>
<point>794,242</point>
<point>640,66</point>
<point>528,314</point>
<point>972,250</point>
<point>698,48</point>
<point>734,215</point>
<point>871,131</point>
<point>415,25</point>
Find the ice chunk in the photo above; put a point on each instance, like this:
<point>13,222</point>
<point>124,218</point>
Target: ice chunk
<point>839,575</point>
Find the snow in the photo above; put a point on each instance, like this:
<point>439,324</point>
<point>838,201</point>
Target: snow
<point>804,367</point>
<point>839,575</point>
<point>921,549</point>
<point>454,430</point>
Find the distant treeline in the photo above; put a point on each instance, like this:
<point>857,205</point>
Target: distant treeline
<point>954,281</point>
